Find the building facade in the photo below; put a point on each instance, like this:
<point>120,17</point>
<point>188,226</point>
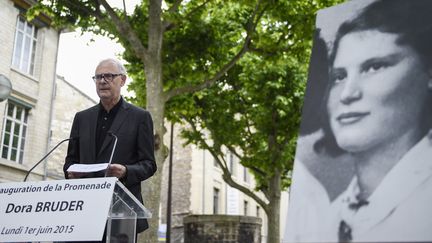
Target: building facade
<point>198,188</point>
<point>29,53</point>
<point>68,100</point>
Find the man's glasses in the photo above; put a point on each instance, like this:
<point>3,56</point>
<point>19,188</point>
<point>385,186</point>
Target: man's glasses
<point>106,76</point>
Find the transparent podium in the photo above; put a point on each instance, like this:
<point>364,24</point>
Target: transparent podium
<point>124,212</point>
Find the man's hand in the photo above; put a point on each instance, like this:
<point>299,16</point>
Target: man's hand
<point>117,170</point>
<point>75,175</point>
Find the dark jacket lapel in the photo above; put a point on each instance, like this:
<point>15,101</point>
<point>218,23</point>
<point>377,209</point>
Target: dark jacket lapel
<point>93,124</point>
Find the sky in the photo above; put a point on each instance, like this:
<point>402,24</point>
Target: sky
<point>78,56</point>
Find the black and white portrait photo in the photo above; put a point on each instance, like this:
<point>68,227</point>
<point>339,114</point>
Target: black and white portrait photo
<point>363,164</point>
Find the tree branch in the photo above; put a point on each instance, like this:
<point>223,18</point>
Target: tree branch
<point>233,151</point>
<point>227,177</point>
<point>226,174</point>
<point>79,6</point>
<point>175,6</point>
<point>254,168</point>
<point>248,123</point>
<point>124,9</point>
<point>155,32</point>
<point>125,29</point>
<point>169,25</point>
<point>209,82</point>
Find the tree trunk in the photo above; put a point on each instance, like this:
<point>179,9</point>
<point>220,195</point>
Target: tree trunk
<point>273,213</point>
<point>152,186</point>
<point>156,106</point>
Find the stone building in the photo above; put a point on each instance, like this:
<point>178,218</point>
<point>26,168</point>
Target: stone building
<point>198,188</point>
<point>68,100</point>
<point>29,53</point>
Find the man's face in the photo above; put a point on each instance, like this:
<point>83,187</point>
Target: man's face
<point>106,89</point>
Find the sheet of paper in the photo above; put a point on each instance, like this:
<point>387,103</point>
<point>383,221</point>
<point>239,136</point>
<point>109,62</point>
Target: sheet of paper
<point>86,168</point>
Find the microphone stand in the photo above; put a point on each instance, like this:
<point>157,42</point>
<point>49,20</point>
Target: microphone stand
<point>112,152</point>
<point>40,161</point>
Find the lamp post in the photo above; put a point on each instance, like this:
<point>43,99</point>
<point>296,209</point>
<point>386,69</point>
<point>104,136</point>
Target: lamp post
<point>5,87</point>
<point>169,199</point>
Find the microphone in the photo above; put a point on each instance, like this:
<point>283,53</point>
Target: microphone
<point>112,151</point>
<point>40,161</point>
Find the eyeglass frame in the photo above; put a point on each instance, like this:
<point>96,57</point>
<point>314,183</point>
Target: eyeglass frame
<point>99,77</point>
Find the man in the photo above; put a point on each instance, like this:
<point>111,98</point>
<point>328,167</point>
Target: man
<point>95,130</point>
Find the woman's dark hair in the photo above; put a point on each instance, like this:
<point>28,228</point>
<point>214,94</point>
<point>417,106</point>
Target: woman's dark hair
<point>315,89</point>
<point>410,19</point>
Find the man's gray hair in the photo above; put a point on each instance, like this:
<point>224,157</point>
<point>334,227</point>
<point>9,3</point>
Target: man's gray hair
<point>120,66</point>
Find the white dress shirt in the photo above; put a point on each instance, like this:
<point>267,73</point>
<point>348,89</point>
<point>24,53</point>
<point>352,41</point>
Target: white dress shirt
<point>400,208</point>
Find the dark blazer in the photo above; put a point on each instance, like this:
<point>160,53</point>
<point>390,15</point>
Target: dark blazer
<point>135,146</point>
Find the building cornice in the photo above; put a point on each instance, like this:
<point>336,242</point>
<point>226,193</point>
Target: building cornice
<point>26,4</point>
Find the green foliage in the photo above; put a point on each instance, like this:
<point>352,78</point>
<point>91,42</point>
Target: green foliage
<point>202,36</point>
<point>254,108</point>
<point>255,111</point>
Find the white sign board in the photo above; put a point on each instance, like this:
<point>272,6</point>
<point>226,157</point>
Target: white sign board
<point>63,210</point>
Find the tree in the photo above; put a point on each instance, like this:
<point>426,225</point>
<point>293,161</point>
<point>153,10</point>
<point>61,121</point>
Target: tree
<point>142,34</point>
<point>255,117</point>
<point>254,110</point>
<point>175,48</point>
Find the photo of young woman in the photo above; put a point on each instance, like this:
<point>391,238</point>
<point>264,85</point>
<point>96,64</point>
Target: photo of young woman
<point>376,115</point>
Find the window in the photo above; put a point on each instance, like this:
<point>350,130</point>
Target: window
<point>245,208</point>
<point>14,132</point>
<point>232,166</point>
<point>258,211</point>
<point>245,175</point>
<point>215,200</point>
<point>25,46</point>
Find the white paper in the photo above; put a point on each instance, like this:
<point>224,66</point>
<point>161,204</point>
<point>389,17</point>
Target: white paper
<point>86,168</point>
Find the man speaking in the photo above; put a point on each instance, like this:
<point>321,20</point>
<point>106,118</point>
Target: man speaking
<point>113,124</point>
